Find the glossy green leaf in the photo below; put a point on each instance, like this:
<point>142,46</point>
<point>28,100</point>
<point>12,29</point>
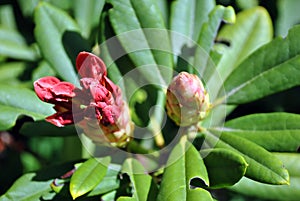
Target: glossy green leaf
<point>53,28</point>
<point>263,166</point>
<point>7,18</point>
<point>133,26</point>
<point>88,176</point>
<point>42,128</point>
<point>252,29</point>
<point>224,167</point>
<point>273,131</point>
<point>13,45</point>
<point>16,101</point>
<point>272,68</point>
<point>271,192</point>
<point>87,14</point>
<point>186,19</point>
<point>27,7</point>
<point>109,183</point>
<point>141,181</point>
<point>26,188</point>
<point>207,37</point>
<point>10,71</point>
<point>288,16</point>
<point>184,164</point>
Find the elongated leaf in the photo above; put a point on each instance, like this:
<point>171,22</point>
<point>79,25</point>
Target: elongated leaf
<point>10,72</point>
<point>273,131</point>
<point>288,193</point>
<point>266,71</point>
<point>109,182</point>
<point>88,176</point>
<point>13,45</point>
<point>288,16</point>
<point>263,166</point>
<point>184,164</point>
<point>186,19</point>
<point>207,37</point>
<point>127,24</point>
<point>87,14</point>
<point>141,182</point>
<point>26,188</point>
<point>224,167</point>
<point>53,27</point>
<point>15,101</point>
<point>252,29</point>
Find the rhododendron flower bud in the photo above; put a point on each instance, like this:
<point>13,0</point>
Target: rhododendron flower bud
<point>187,100</point>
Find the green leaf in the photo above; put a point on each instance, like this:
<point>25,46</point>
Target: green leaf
<point>53,28</point>
<point>10,72</point>
<point>109,182</point>
<point>184,164</point>
<point>263,166</point>
<point>288,16</point>
<point>7,18</point>
<point>42,128</point>
<point>270,192</point>
<point>207,38</point>
<point>88,176</point>
<point>273,131</point>
<point>252,29</point>
<point>224,167</point>
<point>16,101</point>
<point>87,14</point>
<point>131,24</point>
<point>141,182</point>
<point>266,71</point>
<point>27,188</point>
<point>186,19</point>
<point>13,45</point>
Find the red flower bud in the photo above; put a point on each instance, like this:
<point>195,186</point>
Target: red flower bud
<point>97,107</point>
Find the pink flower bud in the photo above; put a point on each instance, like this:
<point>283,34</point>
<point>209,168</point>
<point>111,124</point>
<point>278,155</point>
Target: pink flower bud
<point>97,107</point>
<point>187,100</point>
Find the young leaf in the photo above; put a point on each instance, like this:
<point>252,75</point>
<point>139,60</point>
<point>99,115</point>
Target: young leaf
<point>141,182</point>
<point>109,183</point>
<point>186,19</point>
<point>88,176</point>
<point>13,45</point>
<point>207,36</point>
<point>266,71</point>
<point>264,191</point>
<point>16,101</point>
<point>184,164</point>
<point>53,29</point>
<point>87,14</point>
<point>263,166</point>
<point>252,29</point>
<point>273,131</point>
<point>27,188</point>
<point>224,167</point>
<point>128,23</point>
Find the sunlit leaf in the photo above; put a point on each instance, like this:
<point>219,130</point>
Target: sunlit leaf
<point>184,164</point>
<point>88,176</point>
<point>272,68</point>
<point>263,166</point>
<point>273,131</point>
<point>15,101</point>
